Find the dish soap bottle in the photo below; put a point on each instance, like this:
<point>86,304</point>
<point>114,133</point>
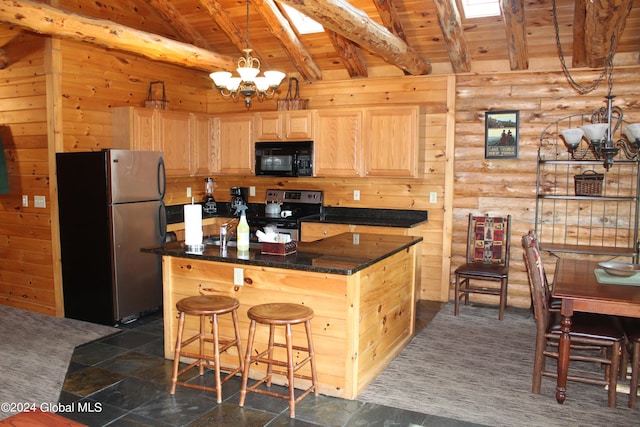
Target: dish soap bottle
<point>243,229</point>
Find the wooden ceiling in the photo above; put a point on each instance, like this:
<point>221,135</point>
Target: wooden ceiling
<point>362,38</point>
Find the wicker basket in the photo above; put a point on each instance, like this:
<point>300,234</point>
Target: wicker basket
<point>293,101</point>
<point>589,183</point>
<point>156,103</point>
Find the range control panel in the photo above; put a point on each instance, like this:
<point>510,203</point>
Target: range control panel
<point>294,196</point>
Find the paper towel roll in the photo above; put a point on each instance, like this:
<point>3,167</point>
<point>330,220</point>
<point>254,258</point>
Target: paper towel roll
<point>192,225</point>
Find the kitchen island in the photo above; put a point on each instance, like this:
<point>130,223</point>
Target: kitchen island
<point>360,286</point>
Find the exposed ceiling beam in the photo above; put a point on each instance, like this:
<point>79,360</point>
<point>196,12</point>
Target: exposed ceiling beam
<point>451,25</point>
<point>604,20</point>
<point>350,54</point>
<point>43,19</point>
<point>177,21</point>
<point>280,28</point>
<point>390,19</point>
<point>513,14</point>
<point>353,24</point>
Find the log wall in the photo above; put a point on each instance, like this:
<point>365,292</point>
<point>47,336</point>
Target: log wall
<point>501,187</point>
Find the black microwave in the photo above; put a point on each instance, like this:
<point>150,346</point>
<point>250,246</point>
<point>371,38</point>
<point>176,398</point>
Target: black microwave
<point>284,158</point>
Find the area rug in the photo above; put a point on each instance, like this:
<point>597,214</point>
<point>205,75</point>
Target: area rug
<point>35,353</point>
<point>476,368</point>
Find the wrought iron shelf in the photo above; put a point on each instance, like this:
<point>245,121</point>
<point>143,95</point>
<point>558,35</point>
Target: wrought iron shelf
<point>604,224</point>
<point>590,198</point>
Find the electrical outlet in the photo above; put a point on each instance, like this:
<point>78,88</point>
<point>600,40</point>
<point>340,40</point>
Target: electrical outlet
<point>39,202</point>
<point>238,276</point>
<point>252,191</point>
<point>25,201</point>
<point>188,191</point>
<point>356,194</point>
<point>433,197</point>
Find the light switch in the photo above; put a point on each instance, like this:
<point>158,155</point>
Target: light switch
<point>356,194</point>
<point>252,191</point>
<point>39,201</point>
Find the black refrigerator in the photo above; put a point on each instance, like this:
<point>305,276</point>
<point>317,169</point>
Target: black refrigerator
<point>110,206</point>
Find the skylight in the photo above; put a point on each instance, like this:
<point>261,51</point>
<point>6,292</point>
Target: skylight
<point>480,8</point>
<point>303,24</point>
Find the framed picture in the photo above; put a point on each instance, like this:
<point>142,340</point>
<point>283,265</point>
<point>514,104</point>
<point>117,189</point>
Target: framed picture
<point>501,134</point>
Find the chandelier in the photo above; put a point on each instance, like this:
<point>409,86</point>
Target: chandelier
<point>605,122</point>
<point>599,135</point>
<point>248,84</point>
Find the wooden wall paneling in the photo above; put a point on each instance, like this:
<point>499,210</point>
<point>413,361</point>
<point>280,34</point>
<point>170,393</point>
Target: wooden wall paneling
<point>26,277</point>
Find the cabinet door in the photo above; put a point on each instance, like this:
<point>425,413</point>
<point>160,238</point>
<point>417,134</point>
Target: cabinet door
<point>282,126</point>
<point>391,141</point>
<point>203,148</point>
<point>175,141</point>
<point>268,126</point>
<point>134,128</point>
<point>298,125</point>
<point>311,231</point>
<point>233,138</point>
<point>338,143</point>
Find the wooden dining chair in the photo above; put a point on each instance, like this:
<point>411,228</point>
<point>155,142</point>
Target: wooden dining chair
<point>632,330</point>
<point>488,241</point>
<point>595,338</point>
<point>555,304</point>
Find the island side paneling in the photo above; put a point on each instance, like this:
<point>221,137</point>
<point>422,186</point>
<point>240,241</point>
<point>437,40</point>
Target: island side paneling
<point>362,321</point>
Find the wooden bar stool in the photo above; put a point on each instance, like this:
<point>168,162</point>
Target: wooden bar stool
<point>205,306</point>
<point>273,315</point>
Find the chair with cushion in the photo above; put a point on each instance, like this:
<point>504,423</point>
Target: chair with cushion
<point>595,339</point>
<point>488,242</point>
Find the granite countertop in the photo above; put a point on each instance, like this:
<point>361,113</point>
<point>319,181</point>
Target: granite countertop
<point>344,254</point>
<point>365,216</point>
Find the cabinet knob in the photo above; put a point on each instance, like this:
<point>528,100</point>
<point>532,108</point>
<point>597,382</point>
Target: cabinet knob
<point>324,231</point>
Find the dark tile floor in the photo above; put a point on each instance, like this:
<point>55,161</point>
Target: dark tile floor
<point>123,380</point>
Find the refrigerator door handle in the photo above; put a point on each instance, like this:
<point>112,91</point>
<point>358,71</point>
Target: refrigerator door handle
<point>162,180</point>
<point>162,221</point>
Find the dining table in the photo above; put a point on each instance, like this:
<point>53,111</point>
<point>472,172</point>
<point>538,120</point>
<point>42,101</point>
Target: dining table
<point>584,287</point>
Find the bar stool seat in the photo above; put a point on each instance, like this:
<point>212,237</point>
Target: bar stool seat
<point>280,314</point>
<point>206,306</point>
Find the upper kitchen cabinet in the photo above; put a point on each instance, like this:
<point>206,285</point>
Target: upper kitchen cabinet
<point>367,142</point>
<point>338,143</point>
<point>184,138</point>
<point>390,138</point>
<point>134,128</point>
<point>175,141</point>
<point>204,153</point>
<point>296,125</point>
<point>233,140</point>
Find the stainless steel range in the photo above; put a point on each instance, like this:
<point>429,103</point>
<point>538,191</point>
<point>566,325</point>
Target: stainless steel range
<point>294,205</point>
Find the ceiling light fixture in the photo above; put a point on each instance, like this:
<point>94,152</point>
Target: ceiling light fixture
<point>248,84</point>
<point>605,122</point>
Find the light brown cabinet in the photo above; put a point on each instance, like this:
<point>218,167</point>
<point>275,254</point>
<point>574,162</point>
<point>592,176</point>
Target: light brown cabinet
<point>338,143</point>
<point>176,142</point>
<point>233,143</point>
<point>204,153</point>
<point>184,138</point>
<point>390,138</point>
<point>311,231</point>
<point>367,142</point>
<point>284,125</point>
